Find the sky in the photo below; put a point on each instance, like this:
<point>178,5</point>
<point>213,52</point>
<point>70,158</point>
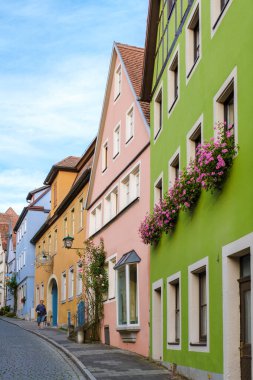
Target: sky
<point>54,62</point>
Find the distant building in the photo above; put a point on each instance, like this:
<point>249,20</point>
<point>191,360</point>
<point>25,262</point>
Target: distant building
<point>7,242</point>
<point>29,222</point>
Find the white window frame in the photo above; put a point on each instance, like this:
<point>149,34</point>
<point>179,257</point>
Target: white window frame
<point>112,289</point>
<point>189,40</point>
<point>111,204</point>
<point>116,140</point>
<point>171,320</point>
<point>218,107</point>
<point>117,82</point>
<point>63,286</point>
<point>71,283</point>
<point>172,101</point>
<point>105,156</point>
<point>42,291</point>
<point>96,219</point>
<point>65,226</point>
<point>190,141</point>
<point>55,240</point>
<point>131,178</point>
<point>79,281</point>
<point>129,127</point>
<point>193,305</point>
<point>81,213</point>
<point>171,169</point>
<point>216,15</point>
<point>158,114</point>
<point>156,190</point>
<point>72,221</point>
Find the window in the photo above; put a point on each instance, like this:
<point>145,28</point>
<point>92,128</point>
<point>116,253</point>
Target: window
<point>174,168</point>
<point>173,82</point>
<point>65,226</point>
<point>198,306</point>
<point>42,291</point>
<point>63,286</point>
<point>225,104</point>
<point>174,311</point>
<point>158,109</point>
<point>25,225</point>
<point>193,44</point>
<point>158,194</point>
<point>79,281</point>
<point>129,125</point>
<point>194,139</point>
<point>104,156</point>
<point>110,263</point>
<point>218,10</point>
<point>127,295</point>
<point>81,209</point>
<point>118,80</point>
<point>96,219</point>
<point>116,141</point>
<point>55,241</point>
<point>55,194</point>
<point>37,295</point>
<point>72,222</point>
<point>111,205</point>
<point>130,187</point>
<point>49,244</point>
<point>71,283</point>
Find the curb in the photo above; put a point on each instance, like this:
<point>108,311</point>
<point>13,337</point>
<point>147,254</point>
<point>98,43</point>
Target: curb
<point>72,357</point>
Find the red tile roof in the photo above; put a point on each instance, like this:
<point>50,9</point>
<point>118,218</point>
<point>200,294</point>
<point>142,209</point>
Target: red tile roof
<point>133,58</point>
<point>69,161</point>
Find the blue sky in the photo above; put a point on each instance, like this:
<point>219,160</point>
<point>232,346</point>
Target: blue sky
<point>54,60</point>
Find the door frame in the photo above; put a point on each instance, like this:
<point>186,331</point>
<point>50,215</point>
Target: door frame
<point>155,286</point>
<point>231,304</point>
<point>49,295</point>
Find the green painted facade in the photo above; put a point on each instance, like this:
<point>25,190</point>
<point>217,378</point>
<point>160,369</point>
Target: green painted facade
<point>226,215</point>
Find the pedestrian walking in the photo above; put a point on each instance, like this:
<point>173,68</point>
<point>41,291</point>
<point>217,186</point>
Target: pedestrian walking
<point>41,312</point>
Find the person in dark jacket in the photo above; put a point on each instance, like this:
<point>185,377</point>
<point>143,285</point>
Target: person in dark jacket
<point>41,312</point>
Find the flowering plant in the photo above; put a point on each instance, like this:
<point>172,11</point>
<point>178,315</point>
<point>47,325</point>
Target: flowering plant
<point>149,230</point>
<point>214,159</point>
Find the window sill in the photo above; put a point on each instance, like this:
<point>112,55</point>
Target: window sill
<point>193,67</point>
<point>220,15</point>
<point>64,301</point>
<point>173,104</point>
<point>115,156</point>
<point>128,140</point>
<point>157,134</point>
<point>174,343</point>
<point>104,170</point>
<point>70,298</point>
<point>198,344</point>
<point>80,229</point>
<point>128,328</point>
<point>128,333</point>
<point>117,97</point>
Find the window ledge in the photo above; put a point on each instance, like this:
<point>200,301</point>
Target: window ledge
<point>128,328</point>
<point>80,229</point>
<point>128,140</point>
<point>117,97</point>
<point>128,333</point>
<point>70,299</point>
<point>173,104</point>
<point>193,66</point>
<point>198,344</point>
<point>115,156</point>
<point>157,134</point>
<point>173,343</point>
<point>104,170</point>
<point>64,301</point>
<point>220,15</point>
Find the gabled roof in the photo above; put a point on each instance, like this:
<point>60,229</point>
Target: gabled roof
<point>131,58</point>
<point>68,164</point>
<point>35,191</point>
<point>7,221</point>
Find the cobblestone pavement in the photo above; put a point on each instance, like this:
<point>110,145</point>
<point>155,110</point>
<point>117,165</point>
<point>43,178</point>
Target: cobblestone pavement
<point>25,356</point>
<point>100,361</point>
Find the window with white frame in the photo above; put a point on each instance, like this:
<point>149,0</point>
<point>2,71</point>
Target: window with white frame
<point>111,205</point>
<point>24,258</point>
<point>55,241</point>
<point>96,219</point>
<point>194,139</point>
<point>116,141</point>
<point>65,226</point>
<point>158,190</point>
<point>25,225</point>
<point>173,82</point>
<point>198,305</point>
<point>158,111</point>
<point>174,310</point>
<point>105,156</point>
<point>225,104</point>
<point>50,244</point>
<point>127,280</point>
<point>130,187</point>
<point>42,291</point>
<point>110,263</point>
<point>72,222</point>
<point>193,40</point>
<point>218,8</point>
<point>63,286</point>
<point>130,124</point>
<point>71,283</point>
<point>118,82</point>
<point>37,295</point>
<point>81,211</point>
<point>79,281</point>
<point>174,168</point>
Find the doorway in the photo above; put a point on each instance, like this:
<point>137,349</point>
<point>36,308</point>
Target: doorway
<point>54,302</point>
<point>157,321</point>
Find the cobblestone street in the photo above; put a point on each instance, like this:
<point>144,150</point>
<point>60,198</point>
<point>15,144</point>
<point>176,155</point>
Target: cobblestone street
<point>25,356</point>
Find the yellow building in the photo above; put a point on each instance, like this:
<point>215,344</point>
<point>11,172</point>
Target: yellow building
<point>57,273</point>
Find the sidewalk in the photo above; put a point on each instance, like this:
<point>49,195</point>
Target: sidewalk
<point>98,361</point>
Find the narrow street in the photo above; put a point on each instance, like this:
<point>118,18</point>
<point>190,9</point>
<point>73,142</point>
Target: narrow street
<point>25,356</point>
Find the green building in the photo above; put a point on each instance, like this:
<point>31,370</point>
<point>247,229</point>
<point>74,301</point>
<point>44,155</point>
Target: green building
<point>198,71</point>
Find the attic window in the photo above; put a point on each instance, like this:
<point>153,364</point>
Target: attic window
<point>117,83</point>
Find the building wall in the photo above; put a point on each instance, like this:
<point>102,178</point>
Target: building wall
<point>218,218</point>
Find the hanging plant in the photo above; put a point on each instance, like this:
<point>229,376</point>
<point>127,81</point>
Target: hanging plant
<point>149,230</point>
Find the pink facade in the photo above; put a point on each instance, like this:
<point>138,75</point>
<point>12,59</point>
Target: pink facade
<point>119,199</point>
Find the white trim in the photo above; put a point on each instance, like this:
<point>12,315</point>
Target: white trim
<point>115,156</point>
<point>156,182</point>
<point>193,67</point>
<point>174,101</point>
<point>170,168</point>
<point>156,285</point>
<point>192,310</point>
<point>216,105</point>
<point>200,122</point>
<point>231,302</point>
<point>157,133</point>
<point>103,168</point>
<point>131,108</point>
<point>170,279</point>
<point>117,96</point>
<point>214,19</point>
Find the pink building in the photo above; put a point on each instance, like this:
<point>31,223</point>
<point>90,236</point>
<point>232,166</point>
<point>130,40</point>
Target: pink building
<point>118,200</point>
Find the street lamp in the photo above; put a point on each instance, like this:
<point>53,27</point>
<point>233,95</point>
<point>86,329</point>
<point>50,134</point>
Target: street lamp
<point>68,241</point>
